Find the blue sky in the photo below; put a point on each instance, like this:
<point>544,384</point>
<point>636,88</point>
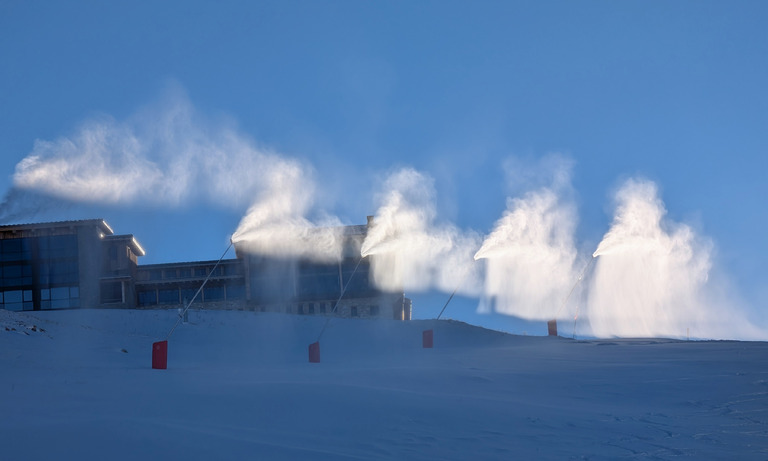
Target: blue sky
<point>670,91</point>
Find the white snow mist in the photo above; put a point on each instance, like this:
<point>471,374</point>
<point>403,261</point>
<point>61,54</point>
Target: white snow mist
<point>652,276</point>
<point>166,155</point>
<point>275,225</point>
<point>162,155</point>
<point>409,250</point>
<point>530,256</point>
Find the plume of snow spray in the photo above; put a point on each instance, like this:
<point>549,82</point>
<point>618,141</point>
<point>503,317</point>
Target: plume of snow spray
<point>275,225</point>
<point>163,155</point>
<point>409,250</point>
<point>166,155</point>
<point>651,276</point>
<point>19,205</point>
<point>530,256</point>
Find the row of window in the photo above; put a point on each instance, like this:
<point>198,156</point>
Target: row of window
<point>270,287</point>
<point>188,272</point>
<point>49,273</point>
<point>50,298</point>
<point>112,292</point>
<point>327,308</point>
<point>210,293</point>
<point>48,247</point>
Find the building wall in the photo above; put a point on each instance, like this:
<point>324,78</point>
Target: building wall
<point>297,283</point>
<point>83,264</point>
<point>173,284</point>
<point>118,272</point>
<point>41,265</point>
<point>89,256</point>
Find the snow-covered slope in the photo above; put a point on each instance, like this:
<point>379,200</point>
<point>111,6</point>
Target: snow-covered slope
<point>78,385</point>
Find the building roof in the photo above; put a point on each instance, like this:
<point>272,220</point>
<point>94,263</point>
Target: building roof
<point>100,223</point>
<point>130,240</point>
<point>207,263</point>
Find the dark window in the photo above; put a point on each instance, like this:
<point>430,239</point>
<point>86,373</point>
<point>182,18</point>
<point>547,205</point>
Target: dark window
<point>236,291</point>
<point>11,271</point>
<point>112,292</point>
<point>59,273</point>
<point>168,296</point>
<point>374,311</point>
<point>311,308</point>
<point>17,300</point>
<point>60,293</point>
<point>232,269</point>
<point>15,296</point>
<point>185,273</point>
<point>64,297</point>
<point>213,293</point>
<point>62,246</point>
<point>15,249</point>
<point>200,272</point>
<point>11,245</point>
<point>188,293</point>
<point>353,311</point>
<point>147,298</point>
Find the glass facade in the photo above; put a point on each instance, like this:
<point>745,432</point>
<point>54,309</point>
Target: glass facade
<point>278,281</point>
<point>41,266</point>
<point>112,292</point>
<point>39,273</point>
<point>214,290</point>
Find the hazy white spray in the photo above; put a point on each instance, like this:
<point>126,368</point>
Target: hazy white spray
<point>530,253</point>
<point>276,225</point>
<point>165,154</point>
<point>409,250</point>
<point>652,276</point>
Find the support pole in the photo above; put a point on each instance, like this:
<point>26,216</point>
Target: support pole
<point>186,308</point>
<point>314,348</point>
<point>160,348</point>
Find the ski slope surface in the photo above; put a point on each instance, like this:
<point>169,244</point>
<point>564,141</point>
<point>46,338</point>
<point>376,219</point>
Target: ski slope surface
<point>79,385</point>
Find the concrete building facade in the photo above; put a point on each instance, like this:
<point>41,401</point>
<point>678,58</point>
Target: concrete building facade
<point>74,264</point>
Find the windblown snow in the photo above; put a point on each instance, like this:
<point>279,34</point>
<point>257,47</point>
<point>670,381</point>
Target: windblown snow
<point>78,385</point>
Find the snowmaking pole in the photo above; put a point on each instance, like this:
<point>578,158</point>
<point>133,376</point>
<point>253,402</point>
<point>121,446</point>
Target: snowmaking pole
<point>449,300</point>
<point>552,324</point>
<point>314,348</point>
<point>160,348</point>
<point>428,336</point>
